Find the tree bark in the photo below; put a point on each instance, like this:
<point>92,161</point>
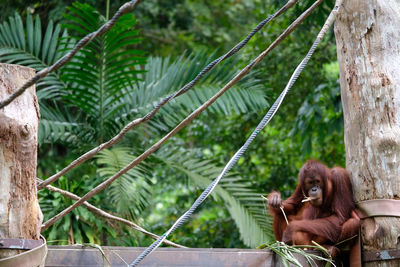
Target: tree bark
<point>368,47</point>
<point>20,215</point>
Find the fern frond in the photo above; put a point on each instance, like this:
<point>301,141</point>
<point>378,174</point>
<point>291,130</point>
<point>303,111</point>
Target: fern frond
<point>129,193</point>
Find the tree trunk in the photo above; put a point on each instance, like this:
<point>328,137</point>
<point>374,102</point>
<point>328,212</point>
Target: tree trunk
<point>20,215</point>
<point>368,48</point>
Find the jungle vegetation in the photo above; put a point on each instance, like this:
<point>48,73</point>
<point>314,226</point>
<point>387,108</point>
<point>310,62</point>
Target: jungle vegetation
<point>146,56</point>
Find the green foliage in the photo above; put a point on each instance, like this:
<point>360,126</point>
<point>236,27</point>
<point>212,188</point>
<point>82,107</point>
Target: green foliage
<point>25,45</point>
<point>57,125</point>
<point>130,193</point>
<point>163,77</point>
<point>102,72</point>
<point>244,203</point>
<point>171,27</point>
<point>109,83</point>
<point>322,108</point>
<point>79,226</point>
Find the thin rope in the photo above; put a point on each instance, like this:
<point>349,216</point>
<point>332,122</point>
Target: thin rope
<point>184,122</point>
<point>88,155</point>
<point>271,112</point>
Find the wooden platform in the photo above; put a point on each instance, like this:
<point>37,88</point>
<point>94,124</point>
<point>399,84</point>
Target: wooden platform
<point>122,256</point>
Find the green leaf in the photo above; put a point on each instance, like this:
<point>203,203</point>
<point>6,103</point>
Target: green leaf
<point>50,87</point>
<point>163,77</point>
<point>130,193</point>
<point>37,37</point>
<point>57,127</point>
<point>101,73</point>
<point>29,31</point>
<point>20,31</point>
<point>53,45</point>
<point>47,40</point>
<point>16,38</point>
<point>7,32</point>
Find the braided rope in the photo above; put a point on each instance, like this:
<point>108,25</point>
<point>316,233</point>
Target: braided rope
<point>271,112</point>
<point>165,100</point>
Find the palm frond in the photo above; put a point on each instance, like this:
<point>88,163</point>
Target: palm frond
<point>25,46</point>
<point>129,193</point>
<point>101,73</point>
<point>163,77</point>
<point>59,126</point>
<point>244,203</point>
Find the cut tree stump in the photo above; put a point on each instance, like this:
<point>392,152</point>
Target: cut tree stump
<point>20,214</point>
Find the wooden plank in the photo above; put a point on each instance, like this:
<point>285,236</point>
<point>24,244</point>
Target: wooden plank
<point>76,256</point>
<point>88,256</point>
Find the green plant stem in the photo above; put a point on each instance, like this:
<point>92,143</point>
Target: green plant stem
<point>107,9</point>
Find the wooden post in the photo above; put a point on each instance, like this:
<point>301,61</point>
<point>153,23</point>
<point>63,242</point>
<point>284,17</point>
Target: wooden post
<point>368,48</point>
<point>20,215</point>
